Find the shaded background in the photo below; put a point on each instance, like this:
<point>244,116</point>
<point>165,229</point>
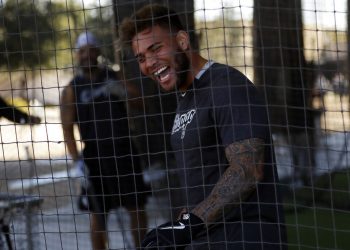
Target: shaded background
<point>296,51</point>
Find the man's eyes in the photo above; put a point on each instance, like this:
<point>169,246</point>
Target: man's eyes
<point>156,48</point>
<point>140,59</point>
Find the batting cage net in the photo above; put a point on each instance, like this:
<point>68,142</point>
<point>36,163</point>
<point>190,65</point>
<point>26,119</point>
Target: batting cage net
<point>189,125</point>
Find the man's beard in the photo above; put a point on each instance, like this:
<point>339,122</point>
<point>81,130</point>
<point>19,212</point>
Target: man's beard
<point>182,68</point>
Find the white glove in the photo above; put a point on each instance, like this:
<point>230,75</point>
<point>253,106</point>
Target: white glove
<point>80,168</point>
<point>117,89</point>
<point>81,172</point>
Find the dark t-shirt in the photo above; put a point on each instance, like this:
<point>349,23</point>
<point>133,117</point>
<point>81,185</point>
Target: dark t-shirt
<point>220,108</point>
<point>101,116</point>
<point>115,170</point>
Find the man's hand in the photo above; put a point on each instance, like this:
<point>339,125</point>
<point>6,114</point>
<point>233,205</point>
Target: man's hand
<point>31,119</point>
<point>80,168</point>
<point>82,172</point>
<point>174,235</point>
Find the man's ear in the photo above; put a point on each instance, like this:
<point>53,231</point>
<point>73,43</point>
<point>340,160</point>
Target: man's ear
<point>183,40</point>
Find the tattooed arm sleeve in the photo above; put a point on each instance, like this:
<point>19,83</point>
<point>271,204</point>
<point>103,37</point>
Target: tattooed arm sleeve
<point>238,181</point>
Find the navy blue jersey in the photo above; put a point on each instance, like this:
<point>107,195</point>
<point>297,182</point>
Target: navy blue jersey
<point>115,171</point>
<point>220,108</point>
<point>101,115</point>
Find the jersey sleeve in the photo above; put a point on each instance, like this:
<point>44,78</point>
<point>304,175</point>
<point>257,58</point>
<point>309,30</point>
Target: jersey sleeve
<point>239,110</point>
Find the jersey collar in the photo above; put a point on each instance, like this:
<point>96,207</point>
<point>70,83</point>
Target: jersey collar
<point>197,77</point>
<point>205,67</point>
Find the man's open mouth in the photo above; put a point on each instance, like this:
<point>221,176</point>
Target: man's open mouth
<point>162,73</point>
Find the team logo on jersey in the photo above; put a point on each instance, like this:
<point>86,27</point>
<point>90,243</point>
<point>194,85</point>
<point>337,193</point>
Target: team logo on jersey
<point>181,122</point>
<point>109,88</point>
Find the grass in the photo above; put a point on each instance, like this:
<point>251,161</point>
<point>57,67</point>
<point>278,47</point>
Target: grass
<point>318,217</point>
<point>318,228</point>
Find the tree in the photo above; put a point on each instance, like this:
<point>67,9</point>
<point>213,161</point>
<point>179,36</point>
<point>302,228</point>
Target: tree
<point>282,71</point>
<point>40,34</point>
<point>348,38</point>
<point>67,20</point>
<point>99,19</point>
<point>25,31</point>
<point>280,65</point>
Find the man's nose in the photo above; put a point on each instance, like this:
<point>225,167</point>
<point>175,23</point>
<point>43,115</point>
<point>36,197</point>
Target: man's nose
<point>151,60</point>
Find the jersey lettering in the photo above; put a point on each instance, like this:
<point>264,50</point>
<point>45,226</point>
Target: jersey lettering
<point>181,122</point>
<point>110,88</point>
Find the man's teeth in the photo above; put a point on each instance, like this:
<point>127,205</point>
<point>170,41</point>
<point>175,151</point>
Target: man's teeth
<point>159,71</point>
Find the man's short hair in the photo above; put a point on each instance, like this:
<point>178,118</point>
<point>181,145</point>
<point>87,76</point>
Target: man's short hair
<point>147,17</point>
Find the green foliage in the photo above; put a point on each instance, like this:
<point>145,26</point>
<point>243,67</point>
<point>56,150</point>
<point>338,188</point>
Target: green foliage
<point>328,190</point>
<point>318,216</point>
<point>318,228</point>
<point>25,31</point>
<point>99,21</point>
<point>67,20</point>
<point>42,34</point>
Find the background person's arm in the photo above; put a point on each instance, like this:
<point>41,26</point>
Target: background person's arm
<point>14,114</point>
<point>68,113</point>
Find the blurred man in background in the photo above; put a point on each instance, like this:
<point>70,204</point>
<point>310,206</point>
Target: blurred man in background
<point>95,101</point>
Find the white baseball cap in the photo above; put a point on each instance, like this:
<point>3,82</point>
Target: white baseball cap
<point>86,38</point>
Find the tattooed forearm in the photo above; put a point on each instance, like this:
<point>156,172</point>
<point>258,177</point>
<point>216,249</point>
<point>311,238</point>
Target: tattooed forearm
<point>239,180</point>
